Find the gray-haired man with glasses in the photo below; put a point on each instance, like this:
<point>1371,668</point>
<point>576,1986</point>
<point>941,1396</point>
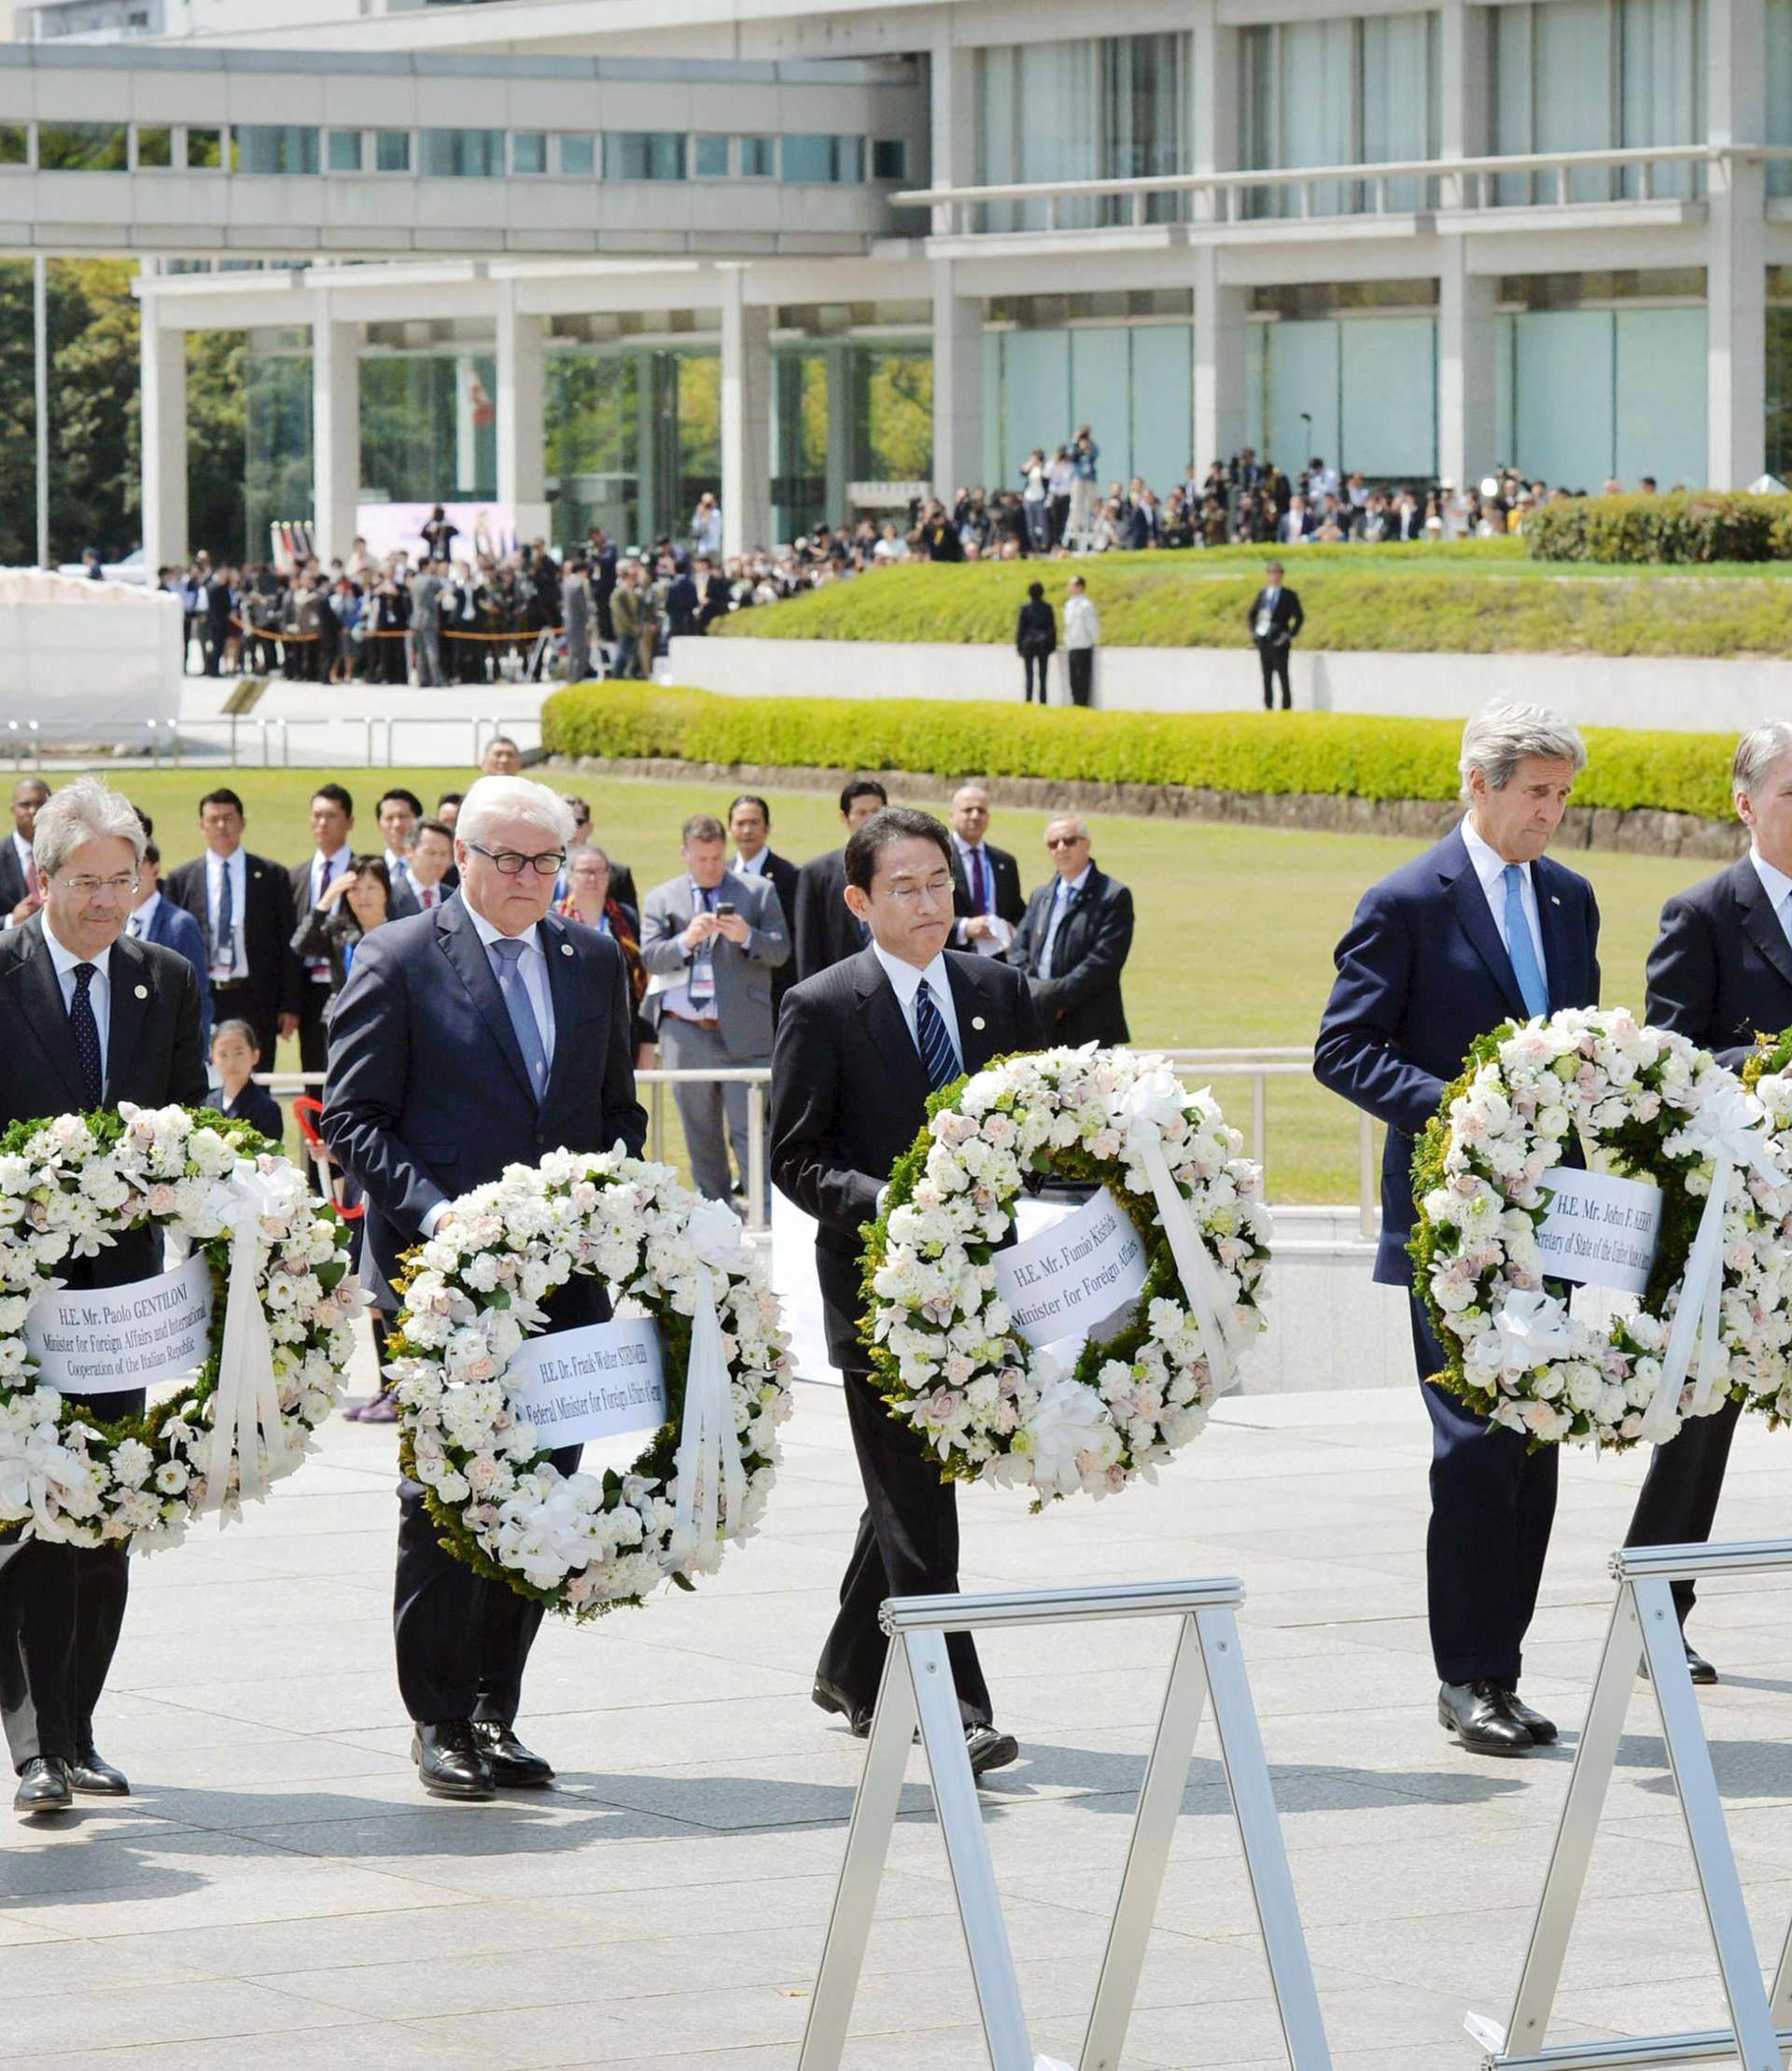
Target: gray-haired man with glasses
<point>483,1033</point>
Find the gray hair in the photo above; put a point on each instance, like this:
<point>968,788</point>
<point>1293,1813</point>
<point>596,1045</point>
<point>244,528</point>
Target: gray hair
<point>1073,820</point>
<point>491,799</point>
<point>1756,753</point>
<point>1499,737</point>
<point>79,813</point>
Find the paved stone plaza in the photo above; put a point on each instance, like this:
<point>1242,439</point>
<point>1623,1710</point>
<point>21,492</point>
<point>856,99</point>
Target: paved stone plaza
<point>279,1894</point>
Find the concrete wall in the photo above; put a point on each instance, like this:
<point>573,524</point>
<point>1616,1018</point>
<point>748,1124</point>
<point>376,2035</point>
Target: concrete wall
<point>1699,696</point>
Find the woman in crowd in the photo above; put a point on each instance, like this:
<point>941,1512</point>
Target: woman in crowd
<point>359,901</point>
<point>588,899</point>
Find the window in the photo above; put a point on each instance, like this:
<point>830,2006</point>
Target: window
<point>578,158</point>
<point>391,150</point>
<point>81,147</point>
<point>204,149</point>
<point>462,154</point>
<point>275,147</point>
<point>344,155</point>
<point>814,161</point>
<point>13,142</point>
<point>758,158</point>
<point>644,155</point>
<point>529,151</point>
<point>889,159</point>
<point>155,146</point>
<point>709,157</point>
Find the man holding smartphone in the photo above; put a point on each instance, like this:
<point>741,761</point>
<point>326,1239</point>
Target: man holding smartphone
<point>711,940</point>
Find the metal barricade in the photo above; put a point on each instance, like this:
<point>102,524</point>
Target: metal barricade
<point>1644,1629</point>
<point>917,1688</point>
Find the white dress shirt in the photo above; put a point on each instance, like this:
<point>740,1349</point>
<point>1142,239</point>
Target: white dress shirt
<point>99,989</point>
<point>676,999</point>
<point>1060,904</point>
<point>1778,887</point>
<point>395,866</point>
<point>338,864</point>
<point>533,966</point>
<point>215,865</point>
<point>905,981</point>
<point>1082,624</point>
<point>137,926</point>
<point>428,896</point>
<point>21,847</point>
<point>751,866</point>
<point>1489,867</point>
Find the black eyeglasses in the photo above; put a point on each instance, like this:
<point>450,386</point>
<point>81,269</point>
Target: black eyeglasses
<point>512,864</point>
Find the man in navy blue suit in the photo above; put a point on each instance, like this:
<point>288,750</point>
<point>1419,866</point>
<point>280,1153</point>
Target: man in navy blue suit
<point>484,1032</point>
<point>157,919</point>
<point>1480,929</point>
<point>1721,973</point>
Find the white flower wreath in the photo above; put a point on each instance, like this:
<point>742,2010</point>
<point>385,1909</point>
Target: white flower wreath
<point>1649,1106</point>
<point>944,1347</point>
<point>586,1542</point>
<point>69,1188</point>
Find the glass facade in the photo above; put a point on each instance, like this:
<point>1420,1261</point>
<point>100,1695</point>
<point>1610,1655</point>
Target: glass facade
<point>429,426</point>
<point>1347,372</point>
<point>1131,382</point>
<point>633,438</point>
<point>1351,91</point>
<point>461,154</point>
<point>644,155</point>
<point>275,148</point>
<point>277,435</point>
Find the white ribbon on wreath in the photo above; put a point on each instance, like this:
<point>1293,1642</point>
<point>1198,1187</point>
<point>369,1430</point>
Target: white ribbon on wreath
<point>245,1409</point>
<point>711,1478</point>
<point>1730,1129</point>
<point>1150,1096</point>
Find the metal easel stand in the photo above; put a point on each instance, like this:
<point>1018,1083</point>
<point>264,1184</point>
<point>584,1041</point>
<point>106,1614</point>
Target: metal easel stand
<point>918,1687</point>
<point>1644,1628</point>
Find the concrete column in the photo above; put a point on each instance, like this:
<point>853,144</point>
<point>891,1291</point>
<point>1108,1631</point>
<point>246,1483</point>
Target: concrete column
<point>1464,115</point>
<point>746,417</point>
<point>1735,249</point>
<point>1219,401</point>
<point>958,385</point>
<point>164,447</point>
<point>1467,347</point>
<point>335,429</point>
<point>1214,95</point>
<point>836,358</point>
<point>952,81</point>
<point>521,440</point>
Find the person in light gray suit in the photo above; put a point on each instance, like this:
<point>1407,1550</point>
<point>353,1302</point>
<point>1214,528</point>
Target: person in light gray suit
<point>710,940</point>
<point>426,625</point>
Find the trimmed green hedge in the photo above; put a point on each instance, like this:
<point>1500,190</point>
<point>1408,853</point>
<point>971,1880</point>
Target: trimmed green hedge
<point>1360,600</point>
<point>1700,526</point>
<point>1333,754</point>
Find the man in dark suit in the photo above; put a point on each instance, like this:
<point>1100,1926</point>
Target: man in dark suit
<point>858,1049</point>
<point>332,820</point>
<point>1275,618</point>
<point>749,828</point>
<point>20,891</point>
<point>1721,973</point>
<point>244,903</point>
<point>1480,929</point>
<point>428,872</point>
<point>158,919</point>
<point>1074,942</point>
<point>985,880</point>
<point>92,1019</point>
<point>485,1033</point>
<point>824,928</point>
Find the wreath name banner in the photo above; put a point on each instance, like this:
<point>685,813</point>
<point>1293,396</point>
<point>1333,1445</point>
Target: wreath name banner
<point>276,1262</point>
<point>1645,1105</point>
<point>592,1540</point>
<point>948,1351</point>
<point>579,1386</point>
<point>1601,1231</point>
<point>1074,1274</point>
<point>109,1340</point>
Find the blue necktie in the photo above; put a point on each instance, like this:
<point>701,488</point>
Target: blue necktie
<point>937,1054</point>
<point>507,953</point>
<point>702,964</point>
<point>1060,908</point>
<point>224,939</point>
<point>87,1036</point>
<point>1521,946</point>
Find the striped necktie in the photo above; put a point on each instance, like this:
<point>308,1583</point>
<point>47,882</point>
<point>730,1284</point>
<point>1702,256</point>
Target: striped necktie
<point>935,1044</point>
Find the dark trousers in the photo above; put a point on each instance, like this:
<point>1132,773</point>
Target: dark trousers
<point>1037,663</point>
<point>907,1546</point>
<point>1491,1506</point>
<point>462,1641</point>
<point>1677,1503</point>
<point>1082,666</point>
<point>239,1002</point>
<point>1272,656</point>
<point>62,1609</point>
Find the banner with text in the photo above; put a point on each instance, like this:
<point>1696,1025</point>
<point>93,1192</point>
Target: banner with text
<point>1073,1274</point>
<point>104,1340</point>
<point>601,1381</point>
<point>1600,1230</point>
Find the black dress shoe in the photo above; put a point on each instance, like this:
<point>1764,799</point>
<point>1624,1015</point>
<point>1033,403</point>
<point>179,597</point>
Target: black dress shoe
<point>449,1764</point>
<point>1541,1729</point>
<point>1480,1716</point>
<point>832,1700</point>
<point>1698,1667</point>
<point>95,1778</point>
<point>511,1764</point>
<point>990,1747</point>
<point>43,1787</point>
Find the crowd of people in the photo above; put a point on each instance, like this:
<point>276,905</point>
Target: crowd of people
<point>446,615</point>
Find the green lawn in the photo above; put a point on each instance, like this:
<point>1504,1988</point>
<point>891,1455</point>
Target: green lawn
<point>1472,599</point>
<point>1236,925</point>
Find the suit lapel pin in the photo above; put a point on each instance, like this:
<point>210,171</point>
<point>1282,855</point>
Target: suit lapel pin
<point>1554,901</point>
<point>143,992</point>
<point>565,948</point>
<point>976,1021</point>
